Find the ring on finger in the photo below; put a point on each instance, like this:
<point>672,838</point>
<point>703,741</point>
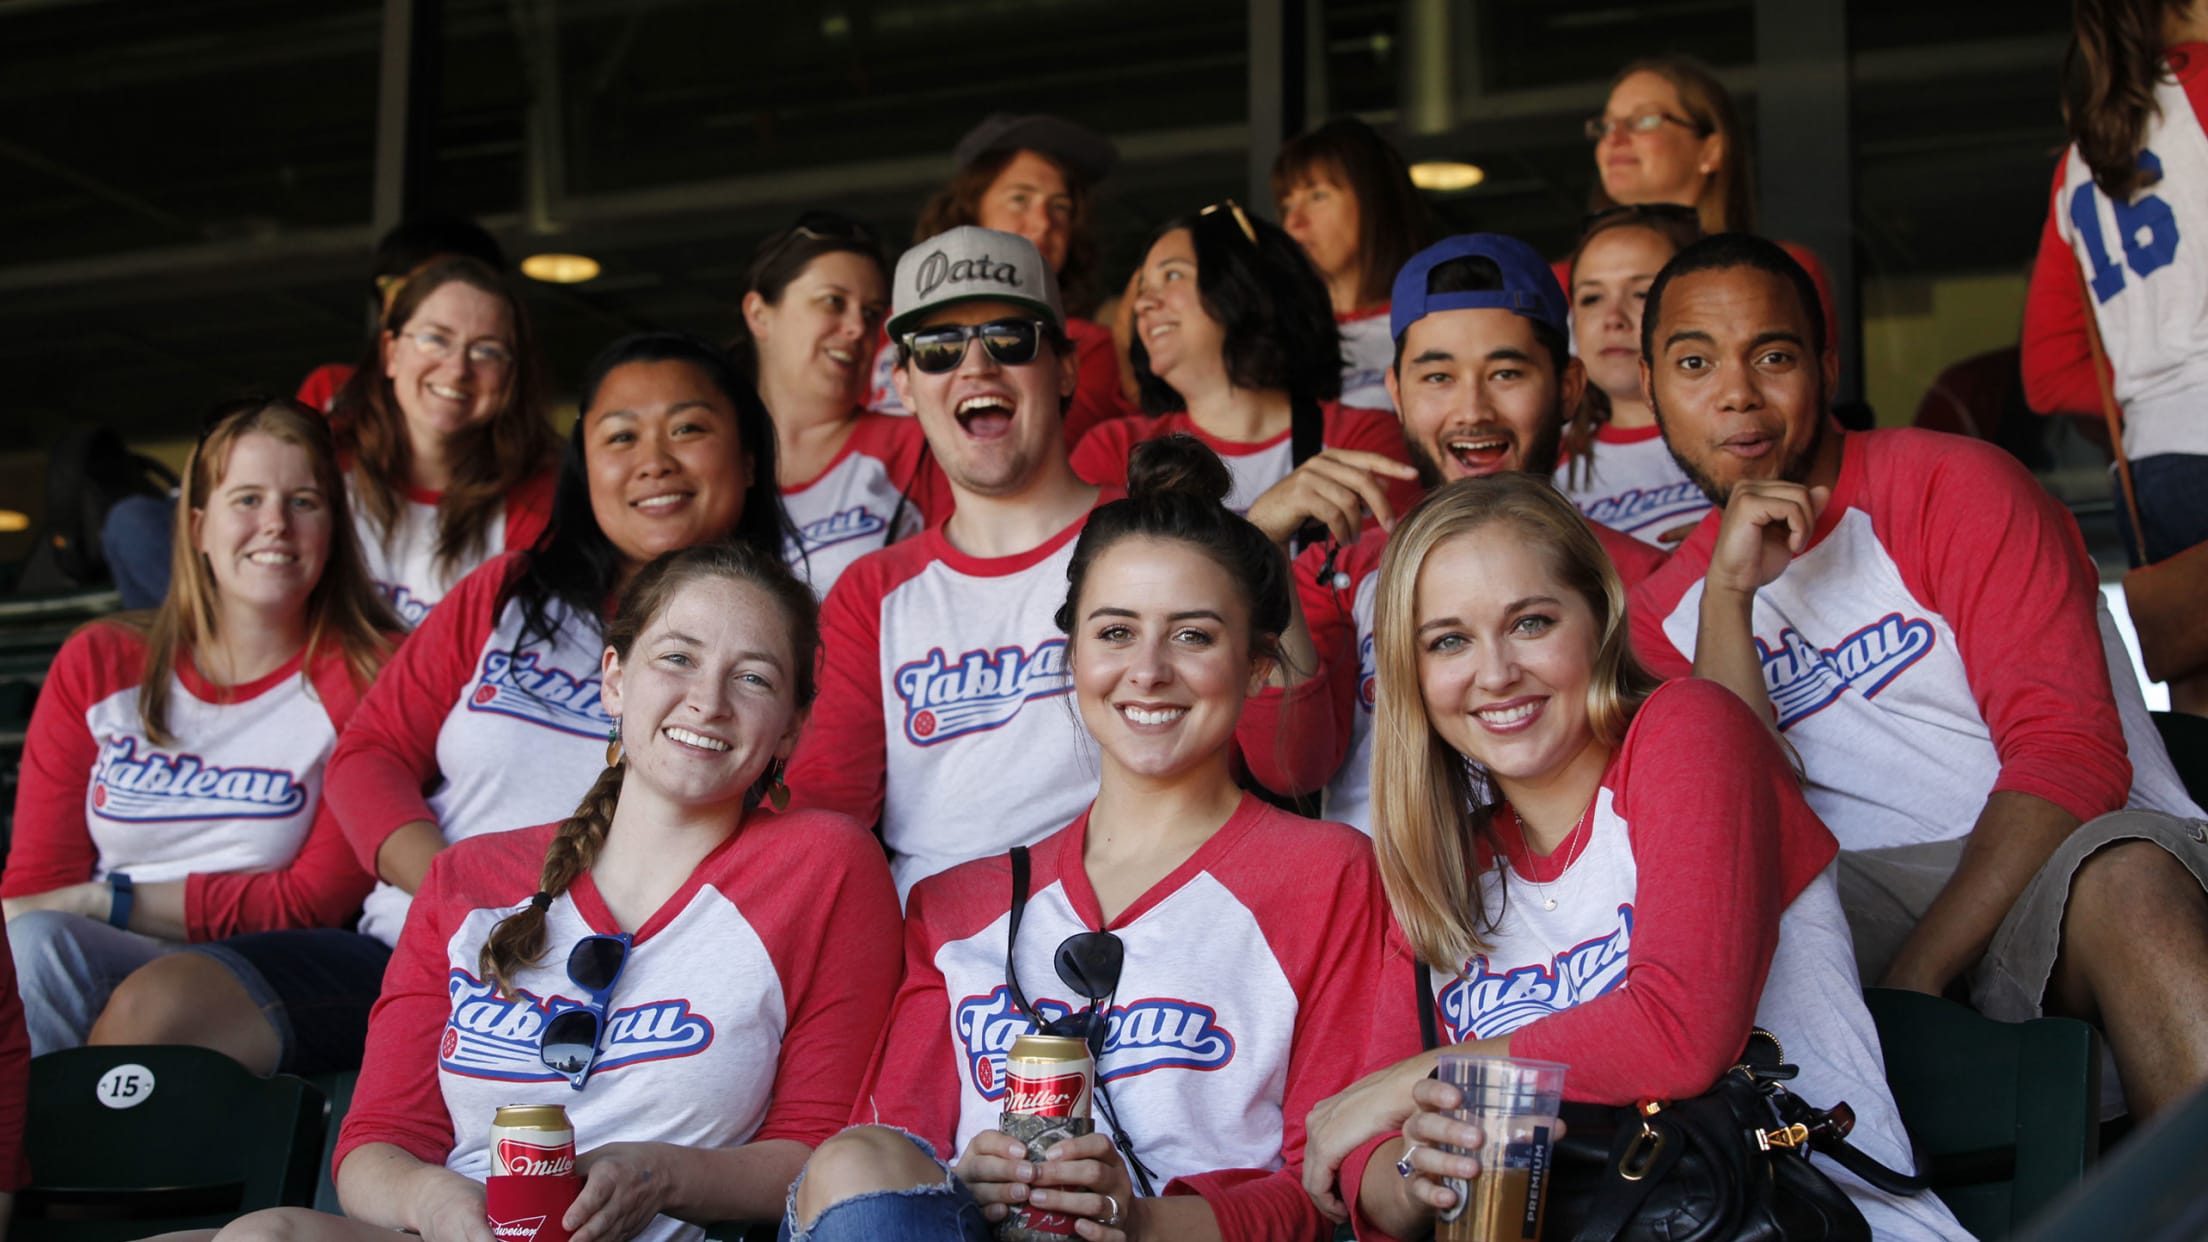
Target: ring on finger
<point>1112,1219</point>
<point>1403,1167</point>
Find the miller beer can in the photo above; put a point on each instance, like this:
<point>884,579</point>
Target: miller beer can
<point>1047,1083</point>
<point>532,1140</point>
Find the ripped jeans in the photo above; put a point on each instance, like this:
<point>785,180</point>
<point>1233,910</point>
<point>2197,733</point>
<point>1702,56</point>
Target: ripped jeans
<point>943,1211</point>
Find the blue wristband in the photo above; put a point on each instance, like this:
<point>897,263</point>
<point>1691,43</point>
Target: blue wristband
<point>121,896</point>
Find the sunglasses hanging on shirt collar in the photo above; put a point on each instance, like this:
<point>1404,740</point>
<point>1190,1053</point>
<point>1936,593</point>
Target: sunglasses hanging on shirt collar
<point>569,1042</point>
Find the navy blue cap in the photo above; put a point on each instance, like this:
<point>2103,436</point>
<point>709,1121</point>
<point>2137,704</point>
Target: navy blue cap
<point>1529,283</point>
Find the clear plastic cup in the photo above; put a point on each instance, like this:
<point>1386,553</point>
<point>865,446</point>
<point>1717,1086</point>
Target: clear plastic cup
<point>1515,1103</point>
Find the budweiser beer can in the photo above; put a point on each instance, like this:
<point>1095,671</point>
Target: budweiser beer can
<point>532,1140</point>
<point>1047,1083</point>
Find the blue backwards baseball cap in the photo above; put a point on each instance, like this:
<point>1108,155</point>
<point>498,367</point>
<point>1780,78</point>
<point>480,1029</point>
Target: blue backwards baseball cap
<point>1529,283</point>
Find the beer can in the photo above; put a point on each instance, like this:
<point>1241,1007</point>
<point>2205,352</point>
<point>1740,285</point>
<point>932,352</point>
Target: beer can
<point>1047,1083</point>
<point>532,1140</point>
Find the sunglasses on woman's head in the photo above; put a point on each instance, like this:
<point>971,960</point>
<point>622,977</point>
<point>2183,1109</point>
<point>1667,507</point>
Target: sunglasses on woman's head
<point>569,1043</point>
<point>941,348</point>
<point>1241,217</point>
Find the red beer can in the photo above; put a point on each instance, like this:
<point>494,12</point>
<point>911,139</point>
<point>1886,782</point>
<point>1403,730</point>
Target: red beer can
<point>1047,1083</point>
<point>533,1179</point>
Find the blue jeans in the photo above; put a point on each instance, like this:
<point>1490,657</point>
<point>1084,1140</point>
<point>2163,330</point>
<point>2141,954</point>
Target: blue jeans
<point>2173,505</point>
<point>944,1211</point>
<point>135,537</point>
<point>66,966</point>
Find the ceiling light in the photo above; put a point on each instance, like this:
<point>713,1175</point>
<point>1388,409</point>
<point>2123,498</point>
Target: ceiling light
<point>1445,175</point>
<point>11,521</point>
<point>560,269</point>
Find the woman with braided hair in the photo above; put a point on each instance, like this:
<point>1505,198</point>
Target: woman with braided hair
<point>644,962</point>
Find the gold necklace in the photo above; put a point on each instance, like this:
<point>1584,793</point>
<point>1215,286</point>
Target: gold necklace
<point>1525,842</point>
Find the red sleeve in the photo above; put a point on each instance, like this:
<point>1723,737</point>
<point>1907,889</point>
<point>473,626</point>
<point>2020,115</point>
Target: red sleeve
<point>1657,597</point>
<point>1634,560</point>
<point>838,966</point>
<point>1334,928</point>
<point>529,509</point>
<point>2058,359</point>
<point>842,762</point>
<point>2037,673</point>
<point>1292,741</point>
<point>386,759</point>
<point>1102,455</point>
<point>397,1099</point>
<point>1696,967</point>
<point>1820,278</point>
<point>322,886</point>
<point>912,1083</point>
<point>15,1075</point>
<point>1375,431</point>
<point>1096,396</point>
<point>1395,1036</point>
<point>319,390</point>
<point>52,846</point>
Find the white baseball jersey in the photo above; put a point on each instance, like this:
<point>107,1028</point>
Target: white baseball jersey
<point>943,709</point>
<point>469,733</point>
<point>2149,285</point>
<point>881,488</point>
<point>744,1011</point>
<point>1631,483</point>
<point>403,560</point>
<point>1368,351</point>
<point>1212,1059</point>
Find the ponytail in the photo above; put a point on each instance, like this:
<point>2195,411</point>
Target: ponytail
<point>518,940</point>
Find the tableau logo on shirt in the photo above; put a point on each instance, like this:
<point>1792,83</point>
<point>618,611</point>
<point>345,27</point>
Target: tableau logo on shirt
<point>1368,675</point>
<point>539,694</point>
<point>495,1037</point>
<point>983,691</point>
<point>856,522</point>
<point>1485,1002</point>
<point>1640,507</point>
<point>156,788</point>
<point>1140,1036</point>
<point>1804,678</point>
<point>410,607</point>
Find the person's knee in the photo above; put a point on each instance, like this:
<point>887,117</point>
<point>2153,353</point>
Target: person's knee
<point>277,1225</point>
<point>2134,883</point>
<point>862,1160</point>
<point>184,998</point>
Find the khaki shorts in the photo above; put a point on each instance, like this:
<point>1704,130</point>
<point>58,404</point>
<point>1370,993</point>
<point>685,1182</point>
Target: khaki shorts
<point>1887,891</point>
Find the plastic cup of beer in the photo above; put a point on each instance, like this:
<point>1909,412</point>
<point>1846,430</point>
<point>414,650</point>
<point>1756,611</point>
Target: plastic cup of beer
<point>1514,1101</point>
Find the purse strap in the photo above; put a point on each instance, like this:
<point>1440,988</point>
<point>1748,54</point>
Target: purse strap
<point>1429,1031</point>
<point>2110,410</point>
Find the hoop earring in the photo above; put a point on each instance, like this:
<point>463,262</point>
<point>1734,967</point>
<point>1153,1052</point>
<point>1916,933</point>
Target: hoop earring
<point>778,790</point>
<point>613,744</point>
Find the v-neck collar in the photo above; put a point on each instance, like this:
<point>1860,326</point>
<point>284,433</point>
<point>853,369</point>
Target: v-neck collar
<point>590,904</point>
<point>1073,871</point>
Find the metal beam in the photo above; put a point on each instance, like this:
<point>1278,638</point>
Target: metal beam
<point>406,108</point>
<point>1805,152</point>
<point>1278,103</point>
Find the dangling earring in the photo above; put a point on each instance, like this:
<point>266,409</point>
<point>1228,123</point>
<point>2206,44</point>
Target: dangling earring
<point>778,790</point>
<point>613,743</point>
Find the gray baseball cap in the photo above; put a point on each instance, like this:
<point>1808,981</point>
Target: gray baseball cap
<point>970,264</point>
<point>1085,154</point>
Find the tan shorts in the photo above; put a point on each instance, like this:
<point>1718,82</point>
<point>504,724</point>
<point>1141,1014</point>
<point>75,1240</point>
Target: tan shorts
<point>1887,891</point>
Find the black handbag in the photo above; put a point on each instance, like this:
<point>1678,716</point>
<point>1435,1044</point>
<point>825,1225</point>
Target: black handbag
<point>1729,1165</point>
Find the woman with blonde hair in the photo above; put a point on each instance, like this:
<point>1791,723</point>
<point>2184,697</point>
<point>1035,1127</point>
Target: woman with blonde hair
<point>172,778</point>
<point>1554,831</point>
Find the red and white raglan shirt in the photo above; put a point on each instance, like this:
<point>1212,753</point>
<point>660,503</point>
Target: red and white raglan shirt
<point>233,807</point>
<point>2150,293</point>
<point>1096,396</point>
<point>470,731</point>
<point>1934,643</point>
<point>1319,732</point>
<point>745,1011</point>
<point>942,710</point>
<point>1368,352</point>
<point>403,560</point>
<point>1212,1059</point>
<point>1630,482</point>
<point>1610,956</point>
<point>1255,465</point>
<point>883,486</point>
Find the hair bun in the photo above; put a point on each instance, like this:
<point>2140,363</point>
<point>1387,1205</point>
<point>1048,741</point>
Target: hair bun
<point>1177,465</point>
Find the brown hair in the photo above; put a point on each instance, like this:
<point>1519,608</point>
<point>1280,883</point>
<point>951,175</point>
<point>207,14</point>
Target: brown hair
<point>1426,826</point>
<point>2109,75</point>
<point>518,939</point>
<point>1594,403</point>
<point>490,460</point>
<point>1728,203</point>
<point>1392,221</point>
<point>960,203</point>
<point>343,608</point>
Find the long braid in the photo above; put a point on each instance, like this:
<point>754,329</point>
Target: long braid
<point>518,940</point>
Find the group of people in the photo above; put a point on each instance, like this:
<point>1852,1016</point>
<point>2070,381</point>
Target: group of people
<point>740,774</point>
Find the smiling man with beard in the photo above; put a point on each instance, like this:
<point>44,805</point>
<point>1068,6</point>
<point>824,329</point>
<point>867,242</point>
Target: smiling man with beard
<point>937,646</point>
<point>1917,618</point>
<point>1483,379</point>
